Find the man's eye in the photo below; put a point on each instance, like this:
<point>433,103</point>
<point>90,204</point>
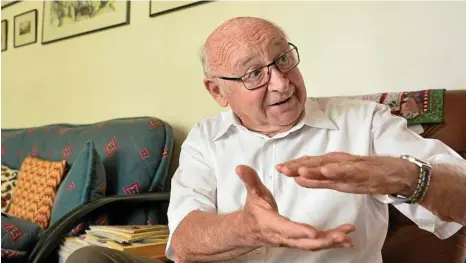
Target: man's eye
<point>254,74</point>
<point>283,59</point>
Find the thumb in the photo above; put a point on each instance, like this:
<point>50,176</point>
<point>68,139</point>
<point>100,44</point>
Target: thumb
<point>250,179</point>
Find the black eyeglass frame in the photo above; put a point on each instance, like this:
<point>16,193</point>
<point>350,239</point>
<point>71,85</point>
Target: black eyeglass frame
<point>268,69</point>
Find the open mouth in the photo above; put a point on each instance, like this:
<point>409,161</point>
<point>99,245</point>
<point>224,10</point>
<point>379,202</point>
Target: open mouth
<point>281,102</point>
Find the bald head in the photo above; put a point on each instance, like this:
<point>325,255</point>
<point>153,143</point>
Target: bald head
<point>220,48</point>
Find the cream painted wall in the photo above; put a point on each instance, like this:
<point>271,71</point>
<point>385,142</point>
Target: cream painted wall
<point>151,66</point>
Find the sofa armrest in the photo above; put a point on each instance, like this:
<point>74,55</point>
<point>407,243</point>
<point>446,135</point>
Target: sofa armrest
<point>51,238</point>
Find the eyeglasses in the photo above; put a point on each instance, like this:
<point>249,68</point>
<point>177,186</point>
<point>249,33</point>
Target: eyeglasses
<point>259,77</point>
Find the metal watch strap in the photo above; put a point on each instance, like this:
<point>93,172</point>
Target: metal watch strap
<point>425,171</point>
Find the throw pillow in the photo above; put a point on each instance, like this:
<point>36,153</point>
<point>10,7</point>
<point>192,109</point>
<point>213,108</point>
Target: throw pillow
<point>85,182</point>
<point>35,190</point>
<point>19,235</point>
<point>9,178</point>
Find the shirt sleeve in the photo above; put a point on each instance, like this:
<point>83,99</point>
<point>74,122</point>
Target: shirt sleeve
<point>392,137</point>
<point>193,186</point>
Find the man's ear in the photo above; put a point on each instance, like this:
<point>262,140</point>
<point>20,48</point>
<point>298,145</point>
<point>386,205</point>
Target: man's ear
<point>213,87</point>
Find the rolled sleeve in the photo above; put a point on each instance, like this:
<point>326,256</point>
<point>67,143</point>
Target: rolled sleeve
<point>392,137</point>
<point>193,186</point>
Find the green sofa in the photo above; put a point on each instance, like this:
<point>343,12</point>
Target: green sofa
<point>109,163</point>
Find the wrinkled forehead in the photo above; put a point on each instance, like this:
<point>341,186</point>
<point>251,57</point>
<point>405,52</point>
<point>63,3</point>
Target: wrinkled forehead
<point>249,55</point>
<point>239,48</point>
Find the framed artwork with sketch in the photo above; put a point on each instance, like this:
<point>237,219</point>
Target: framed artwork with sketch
<point>66,19</point>
<point>25,29</point>
<point>4,34</point>
<point>157,8</point>
<point>6,3</point>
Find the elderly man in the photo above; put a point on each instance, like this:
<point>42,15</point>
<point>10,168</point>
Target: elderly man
<point>286,178</point>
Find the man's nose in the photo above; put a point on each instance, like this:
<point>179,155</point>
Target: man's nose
<point>278,81</point>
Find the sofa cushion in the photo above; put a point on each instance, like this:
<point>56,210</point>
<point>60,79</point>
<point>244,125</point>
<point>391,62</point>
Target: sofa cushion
<point>84,182</point>
<point>18,236</point>
<point>11,255</point>
<point>9,178</point>
<point>35,191</point>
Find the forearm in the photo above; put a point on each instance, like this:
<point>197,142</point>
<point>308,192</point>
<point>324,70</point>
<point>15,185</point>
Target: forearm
<point>446,195</point>
<point>203,236</point>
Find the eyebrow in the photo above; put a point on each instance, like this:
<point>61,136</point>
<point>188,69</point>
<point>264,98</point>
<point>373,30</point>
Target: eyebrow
<point>246,60</point>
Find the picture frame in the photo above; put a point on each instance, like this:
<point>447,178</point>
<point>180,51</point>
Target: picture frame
<point>25,28</point>
<point>157,8</point>
<point>63,20</point>
<point>7,3</point>
<point>4,35</point>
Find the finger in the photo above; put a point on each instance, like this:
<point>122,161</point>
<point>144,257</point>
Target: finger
<point>290,162</point>
<point>346,228</point>
<point>343,172</point>
<point>333,238</point>
<point>310,244</point>
<point>326,240</point>
<point>286,228</point>
<point>318,184</point>
<point>250,179</point>
<point>311,173</point>
<point>353,188</point>
<point>290,168</point>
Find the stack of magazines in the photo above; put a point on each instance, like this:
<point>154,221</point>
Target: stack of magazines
<point>147,241</point>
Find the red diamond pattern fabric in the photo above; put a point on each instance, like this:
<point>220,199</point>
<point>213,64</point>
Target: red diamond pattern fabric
<point>67,151</point>
<point>154,123</point>
<point>14,232</point>
<point>132,188</point>
<point>144,153</point>
<point>111,147</point>
<point>35,150</point>
<point>9,253</point>
<point>71,186</point>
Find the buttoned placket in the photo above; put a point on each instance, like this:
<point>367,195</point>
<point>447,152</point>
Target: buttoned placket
<point>268,161</point>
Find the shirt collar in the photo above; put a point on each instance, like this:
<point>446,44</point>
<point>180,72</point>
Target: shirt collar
<point>313,117</point>
<point>316,117</point>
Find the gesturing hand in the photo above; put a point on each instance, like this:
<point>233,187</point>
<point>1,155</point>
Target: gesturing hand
<point>271,229</point>
<point>353,174</point>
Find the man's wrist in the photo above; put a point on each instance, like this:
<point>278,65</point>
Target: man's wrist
<point>409,179</point>
<point>248,233</point>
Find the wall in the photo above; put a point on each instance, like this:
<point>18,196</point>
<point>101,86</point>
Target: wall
<point>151,66</point>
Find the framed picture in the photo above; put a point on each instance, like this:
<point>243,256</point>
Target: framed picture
<point>6,3</point>
<point>25,28</point>
<point>4,34</point>
<point>157,8</point>
<point>67,19</point>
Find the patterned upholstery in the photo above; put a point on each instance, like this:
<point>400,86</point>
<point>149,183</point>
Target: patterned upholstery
<point>18,237</point>
<point>9,178</point>
<point>135,152</point>
<point>34,194</point>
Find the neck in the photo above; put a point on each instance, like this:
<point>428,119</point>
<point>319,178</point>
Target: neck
<point>270,130</point>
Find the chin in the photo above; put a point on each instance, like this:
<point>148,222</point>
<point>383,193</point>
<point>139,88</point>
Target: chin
<point>289,118</point>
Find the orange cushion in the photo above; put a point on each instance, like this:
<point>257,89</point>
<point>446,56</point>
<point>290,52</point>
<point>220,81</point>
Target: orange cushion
<point>35,190</point>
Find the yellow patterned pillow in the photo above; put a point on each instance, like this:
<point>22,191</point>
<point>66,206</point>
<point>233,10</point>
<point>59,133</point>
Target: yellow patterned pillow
<point>35,190</point>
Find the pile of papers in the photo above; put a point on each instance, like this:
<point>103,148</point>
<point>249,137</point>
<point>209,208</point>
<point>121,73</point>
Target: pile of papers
<point>148,241</point>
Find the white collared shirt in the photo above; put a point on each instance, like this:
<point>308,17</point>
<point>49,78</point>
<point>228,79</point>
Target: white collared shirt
<point>206,180</point>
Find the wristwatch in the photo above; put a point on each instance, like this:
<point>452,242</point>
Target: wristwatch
<point>425,172</point>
